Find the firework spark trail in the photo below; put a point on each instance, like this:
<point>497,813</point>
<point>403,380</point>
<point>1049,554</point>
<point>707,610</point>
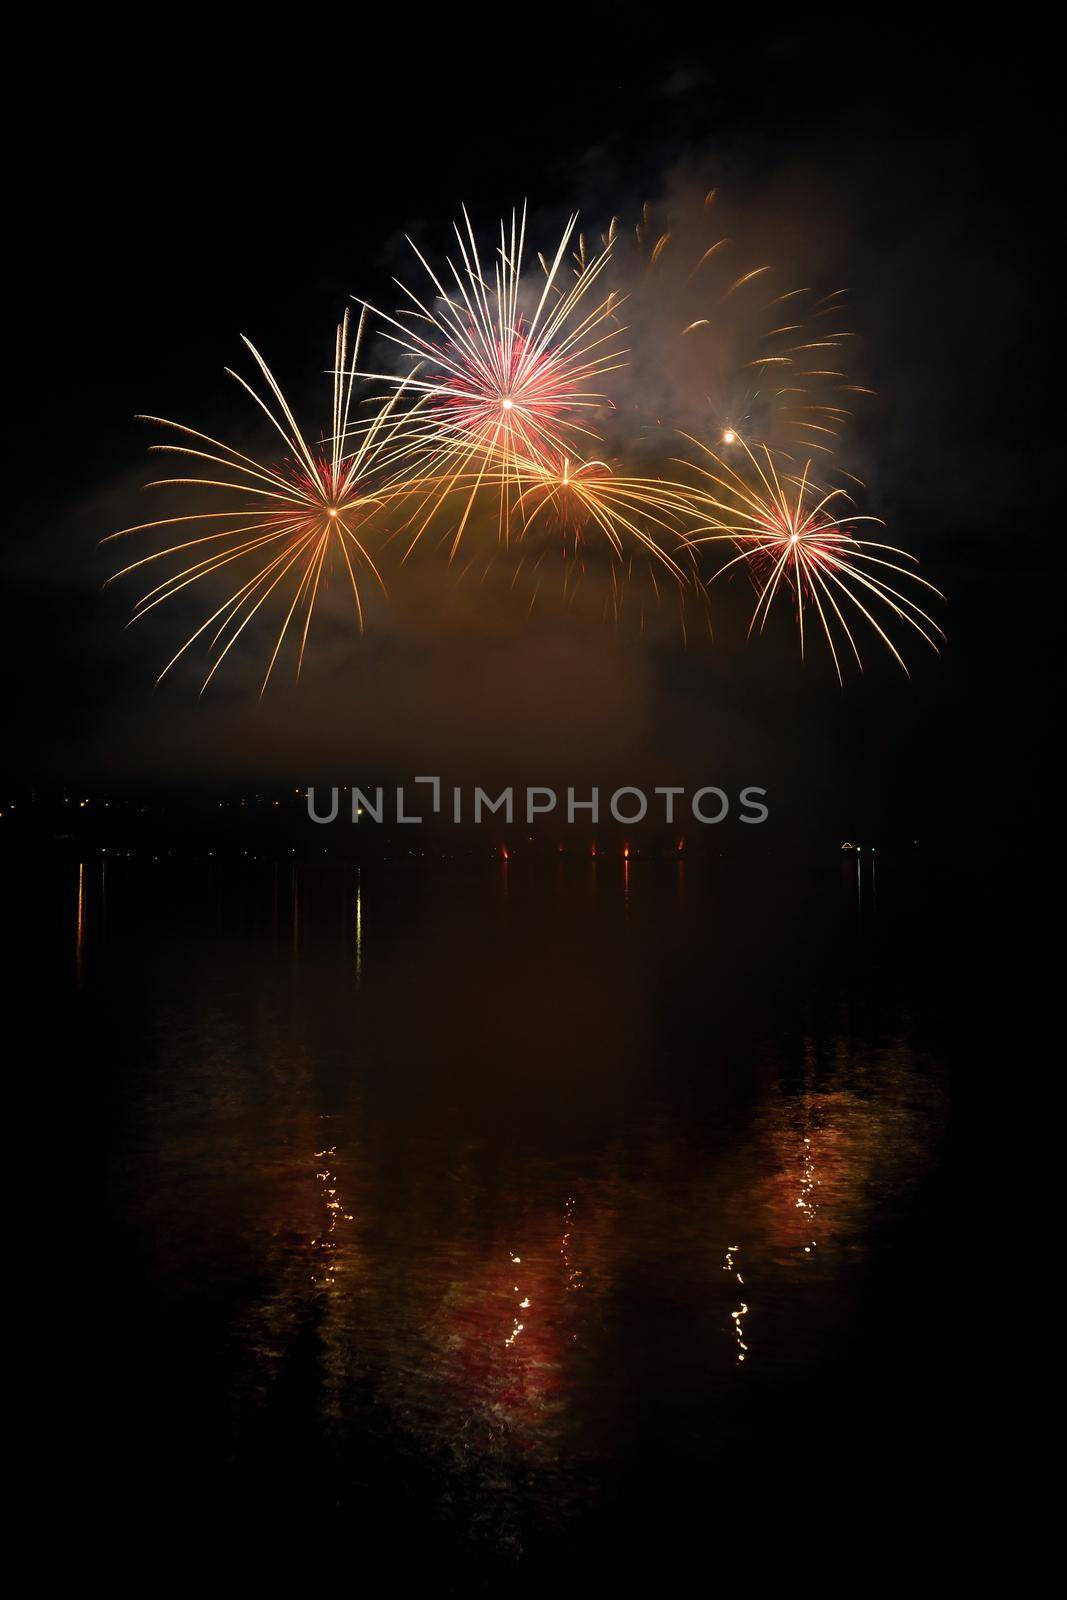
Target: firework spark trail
<point>793,543</point>
<point>498,385</point>
<point>593,518</point>
<point>307,511</point>
<point>584,493</point>
<point>736,352</point>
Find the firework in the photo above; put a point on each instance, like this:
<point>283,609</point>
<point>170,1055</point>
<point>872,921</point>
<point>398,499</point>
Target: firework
<point>301,517</point>
<point>724,346</point>
<point>788,537</point>
<point>578,497</point>
<point>616,542</point>
<point>497,405</point>
<point>503,370</point>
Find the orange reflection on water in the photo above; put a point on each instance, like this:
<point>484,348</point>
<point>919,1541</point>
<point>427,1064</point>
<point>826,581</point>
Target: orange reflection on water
<point>482,1293</point>
<point>79,957</point>
<point>738,1315</point>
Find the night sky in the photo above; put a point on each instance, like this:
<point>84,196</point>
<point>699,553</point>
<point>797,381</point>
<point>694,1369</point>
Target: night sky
<point>205,189</point>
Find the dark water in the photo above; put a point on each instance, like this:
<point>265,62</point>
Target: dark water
<point>512,1219</point>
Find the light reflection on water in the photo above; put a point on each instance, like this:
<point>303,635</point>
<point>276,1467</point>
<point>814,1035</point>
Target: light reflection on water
<point>504,1166</point>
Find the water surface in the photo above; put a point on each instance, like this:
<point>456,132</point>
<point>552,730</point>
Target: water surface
<point>540,1209</point>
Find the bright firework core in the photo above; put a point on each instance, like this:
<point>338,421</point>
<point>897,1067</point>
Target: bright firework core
<point>787,536</point>
<point>491,383</point>
<point>273,538</point>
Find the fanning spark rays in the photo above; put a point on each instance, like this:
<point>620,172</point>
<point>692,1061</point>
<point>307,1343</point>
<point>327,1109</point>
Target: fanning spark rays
<point>581,496</point>
<point>503,372</point>
<point>616,543</point>
<point>789,539</point>
<point>290,524</point>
